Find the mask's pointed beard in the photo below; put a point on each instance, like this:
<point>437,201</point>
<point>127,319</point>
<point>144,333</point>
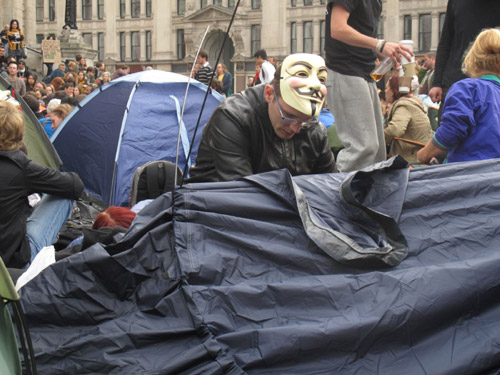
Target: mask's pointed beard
<point>313,109</point>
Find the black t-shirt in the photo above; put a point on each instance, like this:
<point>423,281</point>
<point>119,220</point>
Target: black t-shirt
<point>347,59</point>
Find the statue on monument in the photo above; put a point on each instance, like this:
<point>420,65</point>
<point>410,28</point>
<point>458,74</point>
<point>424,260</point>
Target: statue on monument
<point>70,15</point>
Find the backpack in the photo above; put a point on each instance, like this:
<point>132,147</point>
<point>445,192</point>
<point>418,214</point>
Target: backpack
<point>152,180</point>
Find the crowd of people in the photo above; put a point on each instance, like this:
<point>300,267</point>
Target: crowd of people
<point>273,124</point>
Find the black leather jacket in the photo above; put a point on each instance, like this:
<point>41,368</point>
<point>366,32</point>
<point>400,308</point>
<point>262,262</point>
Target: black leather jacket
<point>239,140</point>
<point>19,178</point>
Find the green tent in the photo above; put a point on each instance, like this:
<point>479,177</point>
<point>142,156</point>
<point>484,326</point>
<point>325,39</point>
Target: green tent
<point>39,147</point>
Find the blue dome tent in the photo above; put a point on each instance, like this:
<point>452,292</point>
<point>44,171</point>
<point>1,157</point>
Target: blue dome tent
<point>127,123</point>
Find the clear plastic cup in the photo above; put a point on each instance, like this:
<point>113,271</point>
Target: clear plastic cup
<point>381,69</point>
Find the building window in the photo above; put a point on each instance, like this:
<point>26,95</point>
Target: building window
<point>181,46</point>
<point>293,3</point>
<point>308,2</point>
<point>135,50</point>
<point>308,37</point>
<point>100,9</point>
<point>424,32</point>
<point>322,2</point>
<point>230,3</point>
<point>255,4</point>
<point>181,7</point>
<point>135,8</point>
<point>39,10</point>
<point>442,17</point>
<point>122,46</point>
<point>255,42</point>
<point>52,35</point>
<point>380,28</point>
<point>203,4</point>
<point>322,37</point>
<point>218,2</point>
<point>149,8</point>
<point>39,38</point>
<point>122,8</point>
<point>87,38</point>
<point>407,27</point>
<point>52,10</point>
<point>86,9</point>
<point>149,51</point>
<point>100,46</point>
<point>293,37</point>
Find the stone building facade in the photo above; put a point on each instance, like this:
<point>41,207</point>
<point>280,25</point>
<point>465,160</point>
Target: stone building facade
<point>166,34</point>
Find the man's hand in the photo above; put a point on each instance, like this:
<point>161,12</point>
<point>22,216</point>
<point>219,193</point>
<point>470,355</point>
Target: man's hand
<point>436,94</point>
<point>395,51</point>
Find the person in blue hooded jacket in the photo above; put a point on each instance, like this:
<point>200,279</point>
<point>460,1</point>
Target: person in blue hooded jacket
<point>470,125</point>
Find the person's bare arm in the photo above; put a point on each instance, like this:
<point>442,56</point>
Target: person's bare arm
<point>341,30</point>
<point>430,151</point>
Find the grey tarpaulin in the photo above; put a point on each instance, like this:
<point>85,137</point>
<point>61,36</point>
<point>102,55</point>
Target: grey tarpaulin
<point>234,278</point>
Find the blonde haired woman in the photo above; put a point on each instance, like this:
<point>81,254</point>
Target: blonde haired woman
<point>470,124</point>
<point>24,231</point>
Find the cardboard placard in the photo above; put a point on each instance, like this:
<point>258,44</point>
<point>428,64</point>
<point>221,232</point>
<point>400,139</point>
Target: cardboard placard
<point>51,50</point>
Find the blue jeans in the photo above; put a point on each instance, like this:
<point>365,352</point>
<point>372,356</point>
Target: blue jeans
<point>46,221</point>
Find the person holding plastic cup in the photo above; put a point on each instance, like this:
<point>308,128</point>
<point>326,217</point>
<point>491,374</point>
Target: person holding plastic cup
<point>351,50</point>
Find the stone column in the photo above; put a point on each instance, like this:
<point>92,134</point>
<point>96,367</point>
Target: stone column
<point>316,37</point>
<point>435,31</point>
<point>300,36</point>
<point>414,32</point>
<point>273,31</point>
<point>142,38</point>
<point>392,22</point>
<point>164,38</point>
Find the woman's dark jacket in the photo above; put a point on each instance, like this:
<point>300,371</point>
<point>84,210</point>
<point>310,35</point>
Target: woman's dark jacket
<point>19,178</point>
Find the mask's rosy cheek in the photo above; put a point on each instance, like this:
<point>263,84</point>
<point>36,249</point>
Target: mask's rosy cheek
<point>323,89</point>
<point>296,82</point>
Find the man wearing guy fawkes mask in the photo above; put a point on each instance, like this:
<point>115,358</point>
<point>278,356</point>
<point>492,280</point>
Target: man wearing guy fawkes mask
<point>269,127</point>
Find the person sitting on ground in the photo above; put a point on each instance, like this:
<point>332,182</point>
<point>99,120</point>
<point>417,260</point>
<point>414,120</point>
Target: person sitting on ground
<point>70,77</point>
<point>71,100</point>
<point>90,75</point>
<point>59,72</point>
<point>34,105</point>
<point>118,73</point>
<point>82,78</point>
<point>31,80</point>
<point>49,89</point>
<point>76,91</point>
<point>57,83</point>
<point>22,70</point>
<point>69,87</point>
<point>58,114</point>
<point>216,85</point>
<point>17,83</point>
<point>470,124</point>
<point>23,231</point>
<point>105,78</point>
<point>269,127</point>
<point>107,224</point>
<point>46,122</point>
<point>407,119</point>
